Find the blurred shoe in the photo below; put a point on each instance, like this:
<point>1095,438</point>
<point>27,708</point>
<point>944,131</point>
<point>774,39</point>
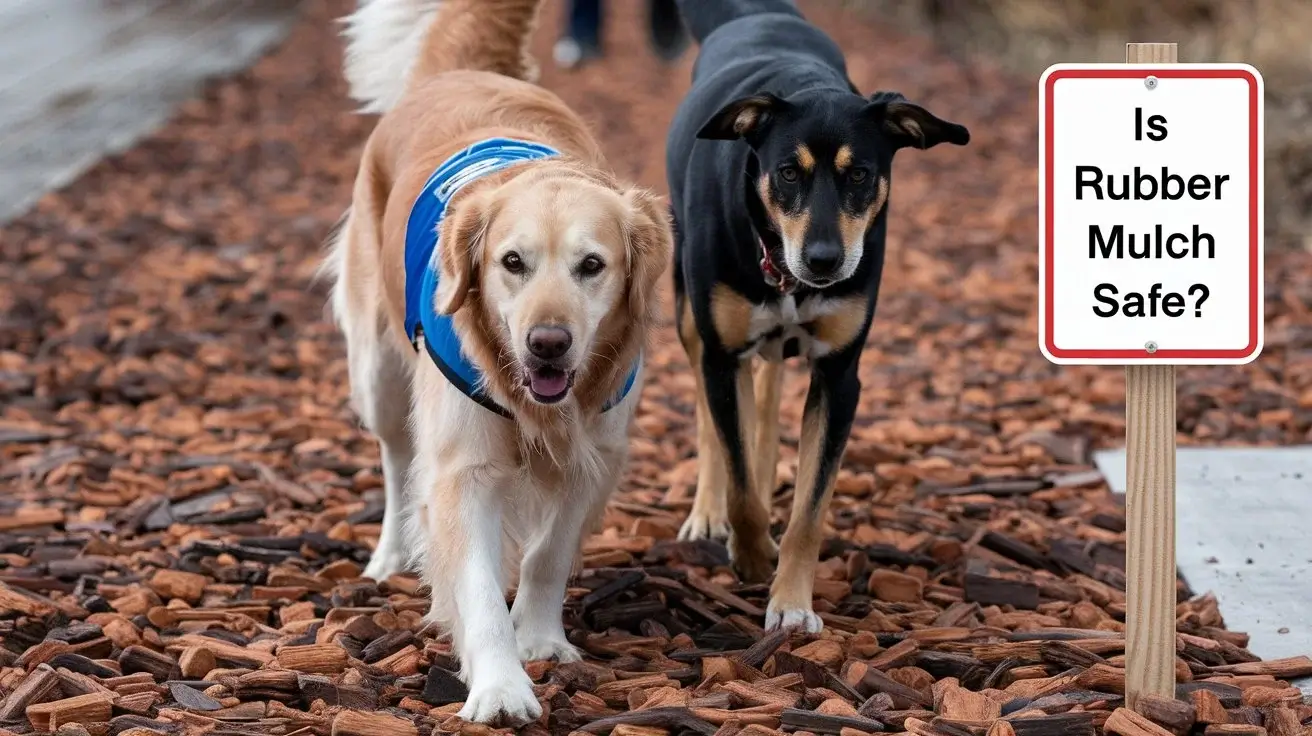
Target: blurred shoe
<point>665,27</point>
<point>581,40</point>
<point>569,52</point>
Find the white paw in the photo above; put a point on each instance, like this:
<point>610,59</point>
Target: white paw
<point>384,563</point>
<point>507,700</point>
<point>701,525</point>
<point>533,647</point>
<point>785,618</point>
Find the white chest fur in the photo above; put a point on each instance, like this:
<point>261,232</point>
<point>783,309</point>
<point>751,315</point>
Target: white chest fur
<point>775,324</point>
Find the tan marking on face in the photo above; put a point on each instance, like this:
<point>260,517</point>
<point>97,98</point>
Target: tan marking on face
<point>843,159</point>
<point>805,158</point>
<point>842,326</point>
<point>792,228</point>
<point>881,196</point>
<point>731,314</point>
<point>852,228</point>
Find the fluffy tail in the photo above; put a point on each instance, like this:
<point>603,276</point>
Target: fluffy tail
<point>704,16</point>
<point>390,43</point>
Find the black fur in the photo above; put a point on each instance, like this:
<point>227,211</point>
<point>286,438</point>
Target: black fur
<point>765,57</point>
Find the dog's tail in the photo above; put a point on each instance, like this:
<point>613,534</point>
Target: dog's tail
<point>704,16</point>
<point>391,43</point>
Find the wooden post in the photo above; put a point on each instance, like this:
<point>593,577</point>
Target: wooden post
<point>1150,502</point>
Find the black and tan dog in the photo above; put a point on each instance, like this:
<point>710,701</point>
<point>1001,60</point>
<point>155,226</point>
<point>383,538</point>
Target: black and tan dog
<point>779,174</point>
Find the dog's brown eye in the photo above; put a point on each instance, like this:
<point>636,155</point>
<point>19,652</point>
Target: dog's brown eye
<point>512,262</point>
<point>788,174</point>
<point>591,266</point>
<point>859,175</point>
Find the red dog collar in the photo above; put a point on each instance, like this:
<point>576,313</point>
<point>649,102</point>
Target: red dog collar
<point>775,277</point>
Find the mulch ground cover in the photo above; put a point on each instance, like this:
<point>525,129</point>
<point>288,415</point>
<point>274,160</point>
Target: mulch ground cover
<point>188,502</point>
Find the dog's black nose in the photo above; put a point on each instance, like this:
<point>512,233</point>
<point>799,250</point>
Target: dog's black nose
<point>549,342</point>
<point>822,257</point>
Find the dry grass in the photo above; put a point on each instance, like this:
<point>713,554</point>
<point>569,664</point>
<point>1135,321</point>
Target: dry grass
<point>1273,35</point>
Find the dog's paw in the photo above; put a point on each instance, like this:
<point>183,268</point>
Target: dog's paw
<point>384,563</point>
<point>787,617</point>
<point>506,700</point>
<point>702,525</point>
<point>753,558</point>
<point>535,647</point>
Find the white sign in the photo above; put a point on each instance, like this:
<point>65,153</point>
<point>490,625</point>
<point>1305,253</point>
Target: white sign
<point>1150,214</point>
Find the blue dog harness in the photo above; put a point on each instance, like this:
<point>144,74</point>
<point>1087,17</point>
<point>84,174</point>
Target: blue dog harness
<point>421,262</point>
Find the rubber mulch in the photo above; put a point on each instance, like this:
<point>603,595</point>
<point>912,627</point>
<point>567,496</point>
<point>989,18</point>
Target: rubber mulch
<point>188,501</point>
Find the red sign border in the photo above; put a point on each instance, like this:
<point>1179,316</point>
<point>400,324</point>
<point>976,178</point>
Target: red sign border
<point>1254,214</point>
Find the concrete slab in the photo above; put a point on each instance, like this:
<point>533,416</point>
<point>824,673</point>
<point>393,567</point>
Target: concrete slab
<point>83,78</point>
<point>1241,532</point>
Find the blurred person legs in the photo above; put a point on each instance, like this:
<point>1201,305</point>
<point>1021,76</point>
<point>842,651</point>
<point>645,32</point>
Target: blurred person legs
<point>665,28</point>
<point>584,21</point>
<point>582,38</point>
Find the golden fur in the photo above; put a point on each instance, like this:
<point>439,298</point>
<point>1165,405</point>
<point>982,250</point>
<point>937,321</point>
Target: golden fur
<point>473,478</point>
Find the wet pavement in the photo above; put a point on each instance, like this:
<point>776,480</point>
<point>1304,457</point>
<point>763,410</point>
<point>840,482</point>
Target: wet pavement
<point>82,78</point>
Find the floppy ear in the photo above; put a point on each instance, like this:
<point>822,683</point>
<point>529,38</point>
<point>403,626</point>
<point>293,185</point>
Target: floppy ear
<point>908,124</point>
<point>650,247</point>
<point>460,251</point>
<point>742,118</point>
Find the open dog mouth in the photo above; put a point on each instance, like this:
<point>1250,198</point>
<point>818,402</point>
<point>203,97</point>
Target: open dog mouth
<point>548,384</point>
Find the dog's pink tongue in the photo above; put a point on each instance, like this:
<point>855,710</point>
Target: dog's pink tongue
<point>548,382</point>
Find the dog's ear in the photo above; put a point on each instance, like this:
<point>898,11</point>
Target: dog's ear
<point>910,125</point>
<point>650,245</point>
<point>742,118</point>
<point>460,251</point>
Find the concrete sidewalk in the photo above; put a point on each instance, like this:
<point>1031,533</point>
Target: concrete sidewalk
<point>1241,532</point>
<point>83,78</point>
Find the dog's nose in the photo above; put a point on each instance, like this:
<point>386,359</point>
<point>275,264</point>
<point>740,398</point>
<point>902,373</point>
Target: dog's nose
<point>822,257</point>
<point>549,342</point>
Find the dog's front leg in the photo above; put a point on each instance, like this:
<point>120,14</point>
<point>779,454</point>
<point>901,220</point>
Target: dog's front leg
<point>548,559</point>
<point>769,383</point>
<point>826,422</point>
<point>710,514</point>
<point>465,554</point>
<point>389,555</point>
<point>732,404</point>
<point>461,482</point>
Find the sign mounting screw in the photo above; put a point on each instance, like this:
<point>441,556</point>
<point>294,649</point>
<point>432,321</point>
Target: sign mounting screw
<point>1150,346</point>
<point>1150,82</point>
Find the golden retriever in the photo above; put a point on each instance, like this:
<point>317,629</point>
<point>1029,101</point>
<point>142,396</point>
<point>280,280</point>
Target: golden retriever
<point>543,288</point>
